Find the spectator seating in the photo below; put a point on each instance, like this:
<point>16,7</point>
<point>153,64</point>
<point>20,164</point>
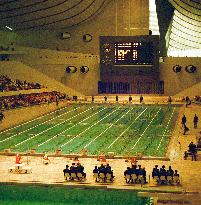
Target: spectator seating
<point>23,100</point>
<point>76,172</point>
<point>104,173</point>
<point>7,84</point>
<point>135,176</point>
<point>166,177</point>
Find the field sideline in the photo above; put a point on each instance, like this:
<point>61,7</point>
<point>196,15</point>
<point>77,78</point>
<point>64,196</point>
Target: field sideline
<point>97,129</point>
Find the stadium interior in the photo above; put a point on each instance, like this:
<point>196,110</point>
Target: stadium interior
<point>100,102</point>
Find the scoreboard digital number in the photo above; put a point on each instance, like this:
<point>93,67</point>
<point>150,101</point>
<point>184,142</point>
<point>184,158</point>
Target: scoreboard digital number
<point>133,53</point>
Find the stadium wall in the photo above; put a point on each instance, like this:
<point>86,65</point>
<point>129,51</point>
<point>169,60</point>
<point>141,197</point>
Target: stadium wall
<point>176,82</point>
<point>18,70</point>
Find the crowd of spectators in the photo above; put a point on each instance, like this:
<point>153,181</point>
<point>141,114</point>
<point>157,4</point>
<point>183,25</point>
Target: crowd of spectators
<point>135,175</point>
<point>163,176</point>
<point>24,100</point>
<point>104,173</point>
<point>7,84</point>
<point>76,172</point>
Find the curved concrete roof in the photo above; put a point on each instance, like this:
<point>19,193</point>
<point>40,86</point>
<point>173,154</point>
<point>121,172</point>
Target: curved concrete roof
<point>40,14</point>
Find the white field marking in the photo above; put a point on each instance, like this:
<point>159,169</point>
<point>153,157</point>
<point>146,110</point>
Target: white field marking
<point>89,128</point>
<point>32,120</point>
<point>51,123</point>
<point>67,135</point>
<point>165,130</point>
<point>145,129</point>
<point>51,128</point>
<point>70,128</point>
<point>85,123</point>
<point>107,128</point>
<point>37,125</point>
<point>127,128</point>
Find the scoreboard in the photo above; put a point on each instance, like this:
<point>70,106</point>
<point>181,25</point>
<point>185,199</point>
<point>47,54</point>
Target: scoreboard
<point>129,50</point>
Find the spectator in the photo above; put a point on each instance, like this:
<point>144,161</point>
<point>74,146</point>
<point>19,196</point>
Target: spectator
<point>188,101</point>
<point>176,173</point>
<point>141,99</point>
<point>92,98</point>
<point>1,116</point>
<point>155,171</point>
<point>66,170</point>
<point>130,99</point>
<point>170,172</point>
<point>128,172</point>
<point>169,100</point>
<point>183,120</point>
<point>143,173</point>
<point>117,98</point>
<point>186,129</point>
<point>192,150</point>
<point>195,121</point>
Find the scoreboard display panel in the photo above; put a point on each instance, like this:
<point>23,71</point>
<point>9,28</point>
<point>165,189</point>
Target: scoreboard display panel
<point>139,53</point>
<point>136,51</point>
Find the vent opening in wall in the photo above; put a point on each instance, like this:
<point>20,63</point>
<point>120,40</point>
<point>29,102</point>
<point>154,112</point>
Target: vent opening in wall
<point>177,68</point>
<point>87,37</point>
<point>84,69</point>
<point>71,69</point>
<point>190,69</point>
<point>65,35</point>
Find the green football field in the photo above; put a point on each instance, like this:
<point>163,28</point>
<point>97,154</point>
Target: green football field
<point>121,129</point>
<point>64,195</point>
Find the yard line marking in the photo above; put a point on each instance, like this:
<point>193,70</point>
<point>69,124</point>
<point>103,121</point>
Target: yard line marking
<point>107,128</point>
<point>70,128</point>
<point>127,128</point>
<point>165,130</point>
<point>145,129</point>
<point>32,120</point>
<point>36,125</point>
<point>51,128</point>
<point>90,127</point>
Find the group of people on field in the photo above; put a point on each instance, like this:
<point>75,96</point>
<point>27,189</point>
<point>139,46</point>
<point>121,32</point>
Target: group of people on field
<point>141,100</point>
<point>184,121</point>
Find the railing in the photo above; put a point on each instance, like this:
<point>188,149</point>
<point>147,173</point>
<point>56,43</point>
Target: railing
<point>131,88</point>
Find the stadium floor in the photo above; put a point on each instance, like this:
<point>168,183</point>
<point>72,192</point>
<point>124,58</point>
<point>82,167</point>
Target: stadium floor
<point>96,129</point>
<point>52,174</point>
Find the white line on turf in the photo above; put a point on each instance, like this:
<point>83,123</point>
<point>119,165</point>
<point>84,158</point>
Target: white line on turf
<point>31,120</point>
<point>107,128</point>
<point>165,130</point>
<point>146,129</point>
<point>51,128</point>
<point>17,134</point>
<point>127,128</point>
<point>89,128</point>
<point>70,128</point>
